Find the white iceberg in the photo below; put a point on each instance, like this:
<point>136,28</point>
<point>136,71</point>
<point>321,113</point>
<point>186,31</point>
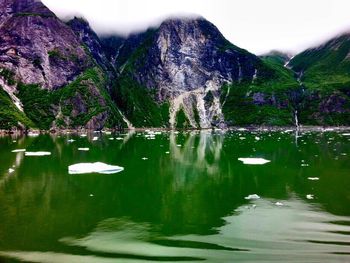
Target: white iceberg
<point>255,161</point>
<point>19,150</point>
<point>310,197</point>
<point>98,167</point>
<point>279,204</point>
<point>252,197</point>
<point>33,134</point>
<point>11,170</point>
<point>313,178</point>
<point>83,149</point>
<point>37,153</point>
<point>346,134</point>
<point>95,138</point>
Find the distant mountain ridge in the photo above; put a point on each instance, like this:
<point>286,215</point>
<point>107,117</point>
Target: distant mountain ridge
<point>183,74</point>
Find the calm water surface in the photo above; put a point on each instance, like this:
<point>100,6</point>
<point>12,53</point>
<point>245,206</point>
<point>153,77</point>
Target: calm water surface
<point>185,202</point>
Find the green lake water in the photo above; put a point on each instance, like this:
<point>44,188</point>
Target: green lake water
<point>181,197</point>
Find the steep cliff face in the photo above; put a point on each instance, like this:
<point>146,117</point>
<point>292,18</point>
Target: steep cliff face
<point>324,73</point>
<point>38,47</point>
<point>39,54</point>
<point>185,63</point>
<point>92,42</point>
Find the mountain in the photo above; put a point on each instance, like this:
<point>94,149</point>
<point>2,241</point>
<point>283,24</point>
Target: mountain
<point>49,73</point>
<point>277,57</point>
<point>325,74</point>
<point>186,74</point>
<point>181,74</point>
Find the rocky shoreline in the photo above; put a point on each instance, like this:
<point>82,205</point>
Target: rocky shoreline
<point>34,132</point>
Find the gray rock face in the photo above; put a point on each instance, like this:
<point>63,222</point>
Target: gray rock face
<point>87,36</point>
<point>37,46</point>
<point>184,60</point>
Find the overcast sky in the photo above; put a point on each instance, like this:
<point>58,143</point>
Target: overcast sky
<point>255,25</point>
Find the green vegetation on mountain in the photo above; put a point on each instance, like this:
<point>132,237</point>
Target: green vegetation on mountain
<point>10,115</point>
<point>325,74</point>
<point>44,107</point>
<point>138,103</point>
<point>267,100</point>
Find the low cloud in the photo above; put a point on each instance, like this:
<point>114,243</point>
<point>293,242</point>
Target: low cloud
<point>259,26</point>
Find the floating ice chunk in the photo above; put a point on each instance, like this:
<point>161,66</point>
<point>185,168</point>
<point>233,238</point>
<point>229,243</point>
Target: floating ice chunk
<point>179,145</point>
<point>257,138</point>
<point>119,138</point>
<point>11,170</point>
<point>98,167</point>
<point>83,149</point>
<point>279,204</point>
<point>167,152</point>
<point>252,197</point>
<point>33,134</point>
<point>304,164</point>
<point>91,195</point>
<point>310,197</point>
<point>144,158</point>
<point>254,161</point>
<point>111,138</point>
<point>313,178</point>
<point>346,134</point>
<point>71,140</point>
<point>242,138</point>
<point>95,138</point>
<point>37,153</point>
<point>83,135</point>
<point>18,150</point>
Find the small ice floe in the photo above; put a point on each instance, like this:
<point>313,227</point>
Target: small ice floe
<point>313,178</point>
<point>310,197</point>
<point>344,154</point>
<point>252,197</point>
<point>33,134</point>
<point>119,138</point>
<point>279,204</point>
<point>179,145</point>
<point>83,149</point>
<point>14,141</point>
<point>257,138</point>
<point>346,134</point>
<point>144,158</point>
<point>254,161</point>
<point>37,153</point>
<point>83,135</point>
<point>91,195</point>
<point>18,150</point>
<point>95,138</point>
<point>167,152</point>
<point>242,138</point>
<point>98,167</point>
<point>304,164</point>
<point>11,170</point>
<point>111,139</point>
<point>70,140</point>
